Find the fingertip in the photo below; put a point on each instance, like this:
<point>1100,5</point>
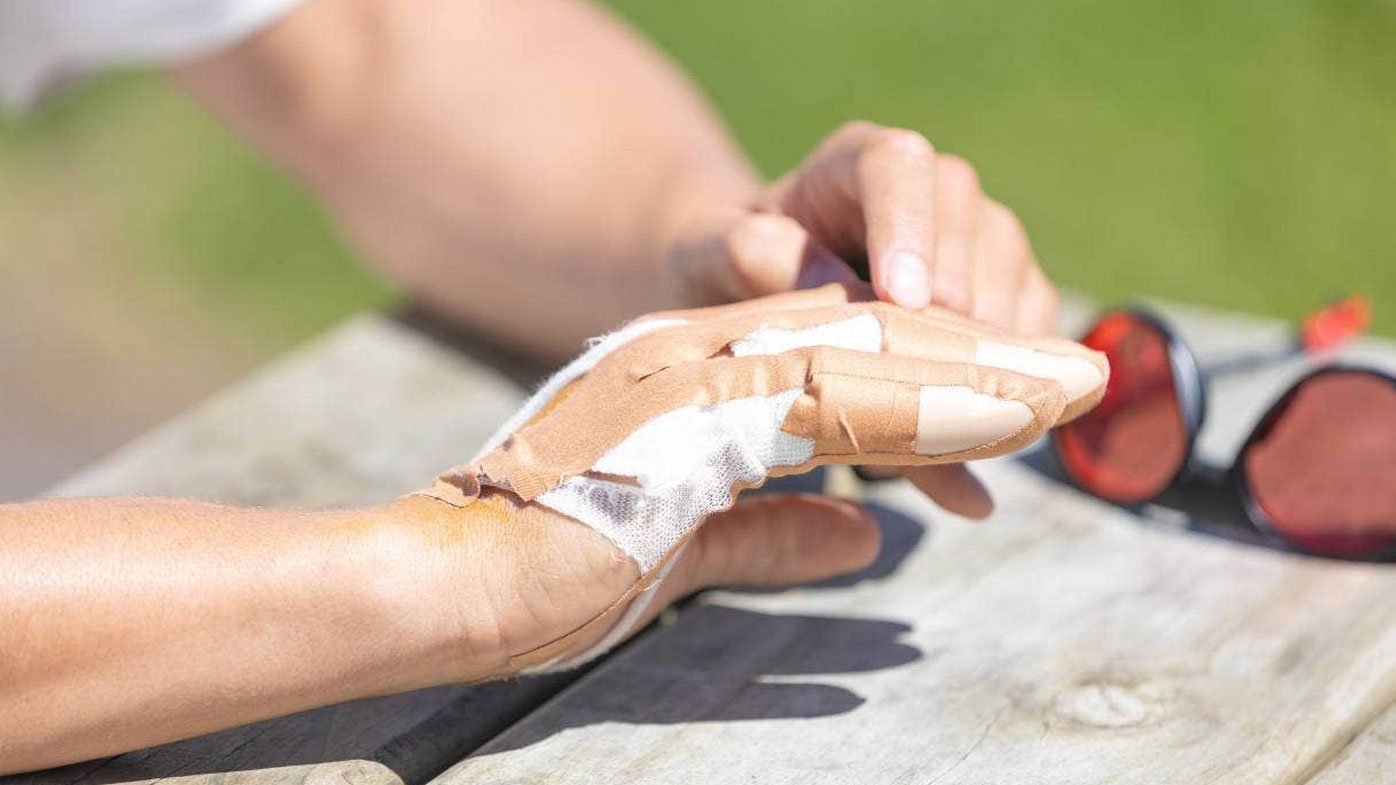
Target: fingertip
<point>979,503</point>
<point>1084,403</point>
<point>865,533</point>
<point>1069,365</point>
<point>953,418</point>
<point>955,488</point>
<point>767,251</point>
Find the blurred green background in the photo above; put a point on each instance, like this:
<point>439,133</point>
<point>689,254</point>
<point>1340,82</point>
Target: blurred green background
<point>1235,154</point>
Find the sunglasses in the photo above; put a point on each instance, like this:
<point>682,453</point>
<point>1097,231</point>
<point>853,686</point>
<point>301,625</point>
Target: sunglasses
<point>1318,471</point>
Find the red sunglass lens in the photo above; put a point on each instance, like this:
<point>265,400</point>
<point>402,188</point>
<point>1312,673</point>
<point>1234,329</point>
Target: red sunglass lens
<point>1324,469</point>
<point>1129,448</point>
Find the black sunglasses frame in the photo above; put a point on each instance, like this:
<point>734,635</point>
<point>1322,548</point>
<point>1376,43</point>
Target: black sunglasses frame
<point>1190,385</point>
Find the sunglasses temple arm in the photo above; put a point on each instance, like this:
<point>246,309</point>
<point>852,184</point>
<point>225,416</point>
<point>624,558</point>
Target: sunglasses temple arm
<point>1253,361</point>
<point>1323,331</point>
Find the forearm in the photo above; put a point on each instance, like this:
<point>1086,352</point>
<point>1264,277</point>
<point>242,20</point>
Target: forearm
<point>563,151</point>
<point>130,622</point>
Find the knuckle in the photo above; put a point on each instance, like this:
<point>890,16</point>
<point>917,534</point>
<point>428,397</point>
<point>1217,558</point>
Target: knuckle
<point>854,128</point>
<point>1011,234</point>
<point>762,235</point>
<point>955,173</point>
<point>903,142</point>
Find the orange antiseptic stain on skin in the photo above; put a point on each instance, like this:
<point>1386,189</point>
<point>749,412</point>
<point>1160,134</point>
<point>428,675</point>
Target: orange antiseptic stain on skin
<point>442,522</point>
<point>492,507</point>
<point>495,506</point>
<point>358,523</point>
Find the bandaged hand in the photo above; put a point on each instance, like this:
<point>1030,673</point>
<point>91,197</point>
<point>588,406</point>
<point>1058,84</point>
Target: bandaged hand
<point>612,491</point>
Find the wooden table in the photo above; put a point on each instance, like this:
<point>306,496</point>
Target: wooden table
<point>1067,641</point>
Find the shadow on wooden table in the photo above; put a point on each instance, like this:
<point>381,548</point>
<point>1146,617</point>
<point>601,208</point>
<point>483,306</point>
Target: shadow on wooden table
<point>714,673</point>
<point>714,669</point>
<point>415,734</point>
<point>1202,508</point>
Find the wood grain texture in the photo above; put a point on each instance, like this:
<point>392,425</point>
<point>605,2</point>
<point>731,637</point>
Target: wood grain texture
<point>1066,641</point>
<point>1370,757</point>
<point>366,413</point>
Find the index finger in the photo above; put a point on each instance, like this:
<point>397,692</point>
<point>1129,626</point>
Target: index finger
<point>896,190</point>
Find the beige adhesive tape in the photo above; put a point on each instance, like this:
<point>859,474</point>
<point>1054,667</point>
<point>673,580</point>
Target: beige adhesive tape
<point>954,419</point>
<point>1078,377</point>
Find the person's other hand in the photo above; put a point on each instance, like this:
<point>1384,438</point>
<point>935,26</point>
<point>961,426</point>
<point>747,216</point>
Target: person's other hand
<point>612,490</point>
<point>919,221</point>
<point>882,197</point>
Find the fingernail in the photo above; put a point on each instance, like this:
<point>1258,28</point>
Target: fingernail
<point>908,280</point>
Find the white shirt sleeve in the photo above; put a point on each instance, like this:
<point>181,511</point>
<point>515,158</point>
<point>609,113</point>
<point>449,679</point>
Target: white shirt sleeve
<point>46,42</point>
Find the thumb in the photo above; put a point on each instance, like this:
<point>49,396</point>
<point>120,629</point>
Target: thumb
<point>780,539</point>
<point>735,254</point>
<point>764,540</point>
<point>770,253</point>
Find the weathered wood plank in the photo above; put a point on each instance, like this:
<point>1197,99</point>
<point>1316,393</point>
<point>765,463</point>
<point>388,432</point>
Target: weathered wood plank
<point>366,413</point>
<point>1370,757</point>
<point>370,411</point>
<point>1139,651</point>
<point>1066,641</point>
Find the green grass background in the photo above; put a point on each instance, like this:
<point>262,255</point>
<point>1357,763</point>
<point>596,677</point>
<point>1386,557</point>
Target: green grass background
<point>1233,153</point>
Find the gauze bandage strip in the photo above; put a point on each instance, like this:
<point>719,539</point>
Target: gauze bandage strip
<point>662,423</point>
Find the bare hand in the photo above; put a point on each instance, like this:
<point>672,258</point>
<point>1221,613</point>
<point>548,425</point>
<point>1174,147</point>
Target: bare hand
<point>918,219</point>
<point>884,196</point>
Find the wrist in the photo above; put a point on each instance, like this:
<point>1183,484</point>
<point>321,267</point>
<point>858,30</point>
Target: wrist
<point>498,579</point>
<point>411,561</point>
